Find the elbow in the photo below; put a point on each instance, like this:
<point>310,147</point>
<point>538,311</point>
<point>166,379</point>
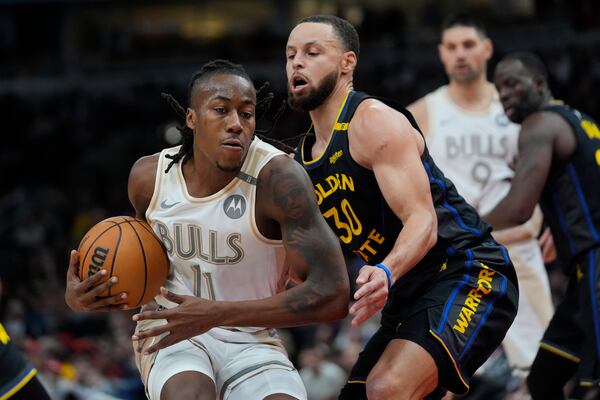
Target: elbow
<point>521,214</point>
<point>339,308</point>
<point>336,302</point>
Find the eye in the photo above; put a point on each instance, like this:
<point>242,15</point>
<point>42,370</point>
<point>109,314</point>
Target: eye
<point>247,114</point>
<point>291,56</point>
<point>220,110</point>
<point>469,45</point>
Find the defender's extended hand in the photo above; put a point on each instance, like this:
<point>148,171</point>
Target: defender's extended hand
<point>191,317</point>
<point>371,295</point>
<point>84,295</point>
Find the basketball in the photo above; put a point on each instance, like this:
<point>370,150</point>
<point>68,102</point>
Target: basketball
<point>128,249</point>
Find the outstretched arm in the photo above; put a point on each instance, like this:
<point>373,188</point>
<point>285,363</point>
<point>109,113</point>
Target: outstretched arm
<point>394,155</point>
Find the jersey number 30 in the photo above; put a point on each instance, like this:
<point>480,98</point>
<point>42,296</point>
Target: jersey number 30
<point>351,227</point>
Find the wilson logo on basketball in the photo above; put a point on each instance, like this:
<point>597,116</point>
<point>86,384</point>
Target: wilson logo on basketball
<point>97,260</point>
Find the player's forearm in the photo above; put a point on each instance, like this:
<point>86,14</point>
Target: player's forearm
<point>527,231</point>
<point>417,237</point>
<point>508,214</point>
<point>313,301</point>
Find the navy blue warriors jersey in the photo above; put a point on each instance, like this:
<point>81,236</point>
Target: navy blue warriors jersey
<point>571,197</point>
<point>354,207</point>
<point>15,371</point>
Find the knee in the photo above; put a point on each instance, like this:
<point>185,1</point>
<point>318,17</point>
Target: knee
<point>387,389</point>
<point>184,387</point>
<point>183,392</point>
<point>378,389</point>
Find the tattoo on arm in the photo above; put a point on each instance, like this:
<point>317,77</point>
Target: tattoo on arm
<point>310,244</point>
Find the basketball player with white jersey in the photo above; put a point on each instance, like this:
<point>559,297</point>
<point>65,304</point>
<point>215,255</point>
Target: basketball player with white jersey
<point>475,144</point>
<point>233,212</point>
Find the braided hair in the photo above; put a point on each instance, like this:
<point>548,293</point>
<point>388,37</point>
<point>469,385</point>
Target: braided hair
<point>263,103</point>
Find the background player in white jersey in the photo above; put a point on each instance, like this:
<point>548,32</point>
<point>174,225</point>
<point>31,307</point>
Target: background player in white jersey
<point>474,143</point>
<point>232,211</point>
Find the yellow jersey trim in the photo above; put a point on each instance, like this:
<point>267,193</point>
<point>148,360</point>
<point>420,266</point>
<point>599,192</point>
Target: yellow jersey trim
<point>335,127</point>
<point>559,352</point>
<point>355,381</point>
<point>453,361</point>
<point>19,385</point>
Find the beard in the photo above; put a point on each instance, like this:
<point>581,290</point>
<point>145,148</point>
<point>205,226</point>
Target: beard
<point>315,97</point>
<point>467,76</point>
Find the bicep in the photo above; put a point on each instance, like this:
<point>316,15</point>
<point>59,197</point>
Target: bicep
<point>308,240</point>
<point>140,185</point>
<point>395,158</point>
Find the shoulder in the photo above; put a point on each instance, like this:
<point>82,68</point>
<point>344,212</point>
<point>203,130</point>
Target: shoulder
<point>144,168</point>
<point>278,167</point>
<point>373,115</point>
<point>284,189</point>
<point>142,177</point>
<point>377,127</point>
<point>544,124</point>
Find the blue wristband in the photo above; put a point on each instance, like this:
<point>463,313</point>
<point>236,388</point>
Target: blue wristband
<point>387,272</point>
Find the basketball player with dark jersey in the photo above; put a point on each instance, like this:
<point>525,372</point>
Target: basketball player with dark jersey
<point>18,378</point>
<point>452,288</point>
<point>559,167</point>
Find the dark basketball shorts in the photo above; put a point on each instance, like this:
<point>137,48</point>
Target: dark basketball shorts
<point>574,331</point>
<point>460,319</point>
<point>15,371</point>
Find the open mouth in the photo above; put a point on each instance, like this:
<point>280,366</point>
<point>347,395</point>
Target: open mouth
<point>298,84</point>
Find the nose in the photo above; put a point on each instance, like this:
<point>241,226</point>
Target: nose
<point>234,124</point>
<point>503,93</point>
<point>460,52</point>
<point>297,62</point>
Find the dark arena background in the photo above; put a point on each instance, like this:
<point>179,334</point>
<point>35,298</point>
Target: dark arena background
<point>80,85</point>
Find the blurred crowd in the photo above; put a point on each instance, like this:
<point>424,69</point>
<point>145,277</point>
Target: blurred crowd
<point>64,164</point>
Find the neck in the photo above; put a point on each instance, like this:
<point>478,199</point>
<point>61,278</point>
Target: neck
<point>203,178</point>
<point>547,98</point>
<point>324,117</point>
<point>476,95</point>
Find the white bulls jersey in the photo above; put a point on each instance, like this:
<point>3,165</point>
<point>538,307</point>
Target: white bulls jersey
<point>214,246</point>
<point>474,149</point>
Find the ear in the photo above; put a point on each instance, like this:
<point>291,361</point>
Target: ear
<point>349,61</point>
<point>488,48</point>
<point>441,53</point>
<point>190,118</point>
<point>540,83</point>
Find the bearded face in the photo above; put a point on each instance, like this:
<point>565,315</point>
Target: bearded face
<point>311,97</point>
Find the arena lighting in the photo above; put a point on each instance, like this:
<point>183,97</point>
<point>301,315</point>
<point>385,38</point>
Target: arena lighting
<point>171,134</point>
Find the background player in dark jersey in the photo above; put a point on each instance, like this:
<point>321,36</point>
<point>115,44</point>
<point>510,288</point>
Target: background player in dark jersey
<point>559,166</point>
<point>18,378</point>
<point>453,292</point>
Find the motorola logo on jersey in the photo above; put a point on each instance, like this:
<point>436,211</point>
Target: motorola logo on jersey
<point>234,206</point>
<point>502,120</point>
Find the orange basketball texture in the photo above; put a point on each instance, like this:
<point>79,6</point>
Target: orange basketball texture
<point>128,249</point>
